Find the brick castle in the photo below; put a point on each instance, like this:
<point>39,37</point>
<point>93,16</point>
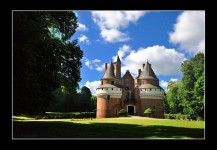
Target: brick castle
<point>133,94</point>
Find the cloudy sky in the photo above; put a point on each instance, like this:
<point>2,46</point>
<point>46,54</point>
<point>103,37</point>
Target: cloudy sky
<point>164,38</point>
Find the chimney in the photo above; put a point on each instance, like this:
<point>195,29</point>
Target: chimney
<point>105,66</point>
<point>139,71</point>
<point>143,65</point>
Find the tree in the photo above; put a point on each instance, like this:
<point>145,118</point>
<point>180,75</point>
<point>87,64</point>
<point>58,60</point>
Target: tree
<point>193,85</point>
<point>85,99</point>
<point>187,95</point>
<point>94,102</point>
<point>148,111</point>
<point>44,58</point>
<point>173,97</point>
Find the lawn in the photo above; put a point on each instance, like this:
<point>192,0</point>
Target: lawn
<point>24,127</point>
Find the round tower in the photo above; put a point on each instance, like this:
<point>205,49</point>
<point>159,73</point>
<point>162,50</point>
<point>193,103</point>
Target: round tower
<point>108,94</point>
<point>150,93</point>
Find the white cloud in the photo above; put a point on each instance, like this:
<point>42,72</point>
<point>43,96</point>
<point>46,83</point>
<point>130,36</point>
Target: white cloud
<point>96,60</point>
<point>92,86</point>
<point>114,35</point>
<point>189,31</point>
<point>88,63</point>
<point>122,51</point>
<point>100,68</point>
<point>164,84</point>
<point>84,38</point>
<point>82,27</point>
<point>173,79</point>
<point>164,61</point>
<point>111,22</point>
<point>94,64</point>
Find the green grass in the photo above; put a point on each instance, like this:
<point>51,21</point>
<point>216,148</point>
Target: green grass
<point>107,128</point>
<point>22,118</point>
<point>61,113</point>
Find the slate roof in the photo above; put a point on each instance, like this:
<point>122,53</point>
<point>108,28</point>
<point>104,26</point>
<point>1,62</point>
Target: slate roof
<point>149,86</point>
<point>109,72</point>
<point>147,73</point>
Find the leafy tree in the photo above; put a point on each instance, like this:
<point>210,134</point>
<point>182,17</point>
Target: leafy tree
<point>193,85</point>
<point>172,96</point>
<point>187,96</point>
<point>85,99</point>
<point>94,102</point>
<point>44,58</point>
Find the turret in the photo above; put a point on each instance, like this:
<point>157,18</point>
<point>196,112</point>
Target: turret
<point>109,76</point>
<point>149,83</point>
<point>108,94</point>
<point>147,75</point>
<point>117,67</point>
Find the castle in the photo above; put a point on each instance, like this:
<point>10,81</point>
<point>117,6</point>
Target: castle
<point>132,94</point>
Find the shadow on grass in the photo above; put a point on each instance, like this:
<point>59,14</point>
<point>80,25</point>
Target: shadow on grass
<point>55,129</point>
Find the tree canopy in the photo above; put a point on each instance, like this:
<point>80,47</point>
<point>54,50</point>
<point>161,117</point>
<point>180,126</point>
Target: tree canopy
<point>186,96</point>
<point>44,58</point>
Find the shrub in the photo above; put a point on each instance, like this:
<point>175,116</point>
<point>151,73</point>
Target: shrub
<point>177,116</point>
<point>122,113</point>
<point>148,111</point>
<point>85,115</point>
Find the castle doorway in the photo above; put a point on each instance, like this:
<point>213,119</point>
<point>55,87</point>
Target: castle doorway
<point>131,110</point>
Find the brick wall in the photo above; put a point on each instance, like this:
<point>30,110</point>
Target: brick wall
<point>150,81</point>
<point>106,108</point>
<point>149,103</point>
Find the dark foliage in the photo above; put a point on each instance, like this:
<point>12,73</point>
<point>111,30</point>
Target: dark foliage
<point>43,58</point>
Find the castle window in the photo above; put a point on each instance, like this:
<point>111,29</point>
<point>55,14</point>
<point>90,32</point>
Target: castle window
<point>108,97</point>
<point>102,88</point>
<point>150,89</point>
<point>112,88</point>
<point>112,82</point>
<point>154,107</point>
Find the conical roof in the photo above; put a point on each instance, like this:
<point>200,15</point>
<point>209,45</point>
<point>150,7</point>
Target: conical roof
<point>118,59</point>
<point>147,73</point>
<point>109,72</point>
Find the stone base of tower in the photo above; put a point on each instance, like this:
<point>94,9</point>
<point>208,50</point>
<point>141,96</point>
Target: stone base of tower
<point>154,104</point>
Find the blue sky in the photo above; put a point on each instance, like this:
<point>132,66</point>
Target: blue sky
<point>165,38</point>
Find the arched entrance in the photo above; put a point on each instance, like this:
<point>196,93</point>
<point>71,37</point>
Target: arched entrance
<point>131,109</point>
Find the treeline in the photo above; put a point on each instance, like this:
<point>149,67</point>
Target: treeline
<point>186,96</point>
<point>73,101</point>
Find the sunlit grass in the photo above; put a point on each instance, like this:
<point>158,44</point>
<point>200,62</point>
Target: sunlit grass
<point>61,113</point>
<point>22,118</point>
